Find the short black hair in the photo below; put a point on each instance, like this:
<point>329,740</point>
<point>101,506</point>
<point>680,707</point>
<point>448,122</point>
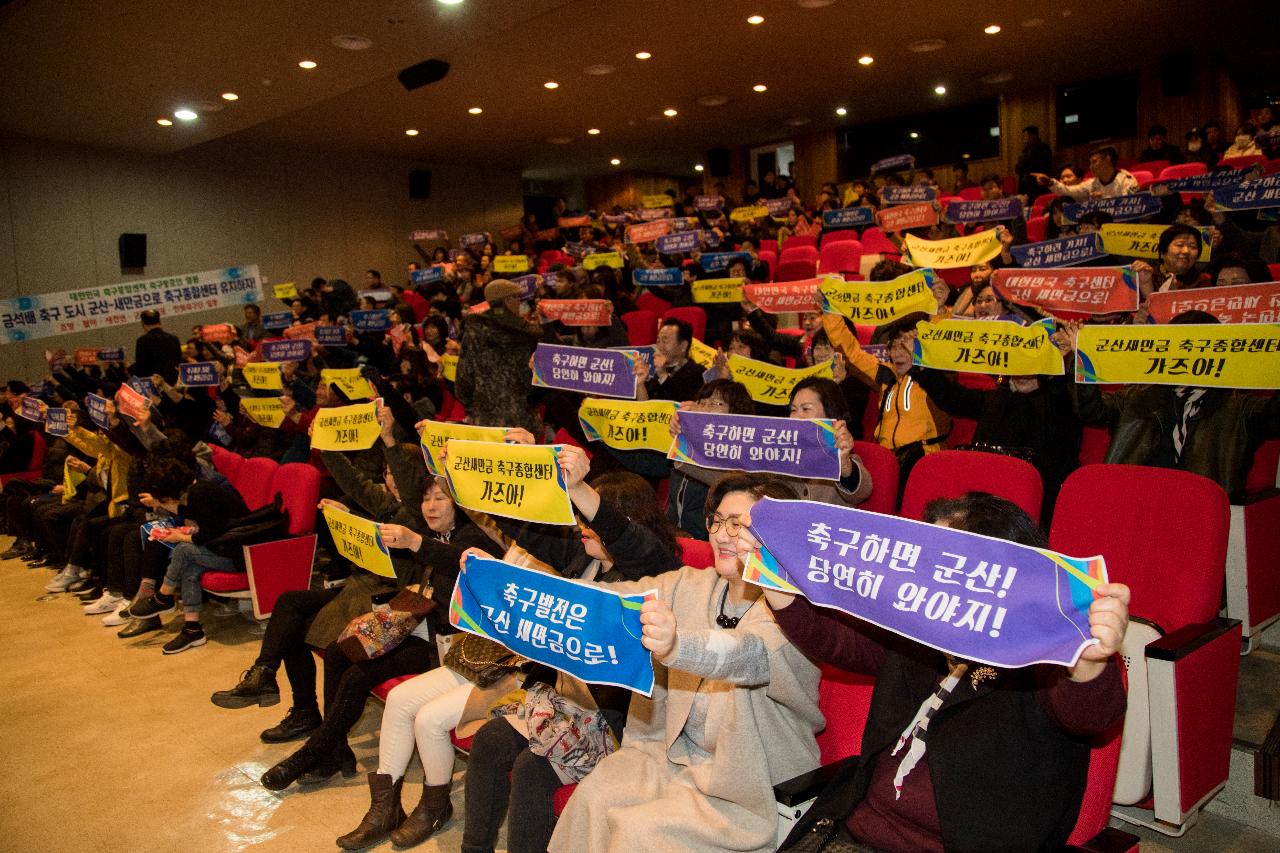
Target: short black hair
<point>374,273</point>
<point>984,513</point>
<point>834,404</point>
<point>734,394</point>
<point>684,331</point>
<point>1031,129</point>
<point>167,478</point>
<point>150,317</point>
<point>1173,232</point>
<point>1158,130</point>
<point>1193,317</point>
<point>1108,151</point>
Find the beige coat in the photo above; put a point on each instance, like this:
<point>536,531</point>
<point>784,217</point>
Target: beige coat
<point>649,796</point>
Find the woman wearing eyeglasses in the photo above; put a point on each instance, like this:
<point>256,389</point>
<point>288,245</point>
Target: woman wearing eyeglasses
<point>733,712</point>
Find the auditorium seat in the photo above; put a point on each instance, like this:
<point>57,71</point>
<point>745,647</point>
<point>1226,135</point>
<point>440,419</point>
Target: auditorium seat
<point>882,465</point>
<point>642,327</point>
<point>1094,441</point>
<point>844,256</point>
<point>970,193</point>
<point>1042,201</point>
<point>1154,167</point>
<point>769,258</point>
<point>952,473</point>
<point>1144,178</point>
<point>226,462</point>
<point>808,253</point>
<point>768,245</point>
<point>693,315</point>
<point>1242,162</point>
<point>646,301</point>
<point>839,236</point>
<point>35,465</point>
<point>795,270</point>
<point>1182,170</point>
<point>800,240</point>
<point>1253,548</point>
<point>1037,227</point>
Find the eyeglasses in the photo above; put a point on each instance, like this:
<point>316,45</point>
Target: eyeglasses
<point>731,525</point>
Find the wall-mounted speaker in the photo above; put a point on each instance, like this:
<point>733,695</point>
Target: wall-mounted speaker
<point>420,184</point>
<point>718,162</point>
<point>1177,75</point>
<point>417,76</point>
<point>133,251</point>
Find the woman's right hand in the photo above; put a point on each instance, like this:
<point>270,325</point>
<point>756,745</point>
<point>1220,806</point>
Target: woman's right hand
<point>518,435</point>
<point>476,552</point>
<point>330,503</point>
<point>575,465</point>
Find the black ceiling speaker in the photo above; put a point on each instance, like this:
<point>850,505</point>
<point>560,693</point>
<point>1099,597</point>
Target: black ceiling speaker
<point>133,251</point>
<point>718,162</point>
<point>417,76</point>
<point>420,184</point>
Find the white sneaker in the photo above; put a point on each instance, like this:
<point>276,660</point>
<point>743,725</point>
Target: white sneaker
<point>63,579</point>
<point>116,616</point>
<point>106,604</point>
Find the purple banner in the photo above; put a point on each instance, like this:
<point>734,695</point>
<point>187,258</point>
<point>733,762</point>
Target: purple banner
<point>606,373</point>
<point>371,321</point>
<point>672,244</point>
<point>779,206</point>
<point>97,408</point>
<point>973,596</point>
<point>277,320</point>
<point>907,195</point>
<point>114,354</point>
<point>1124,208</point>
<point>848,217</point>
<point>331,336</point>
<point>298,349</point>
<point>984,210</point>
<point>429,234</point>
<point>30,410</point>
<point>795,448</point>
<point>427,276</point>
<point>1063,252</point>
<point>901,161</point>
<point>474,240</point>
<point>649,214</point>
<point>528,285</point>
<point>55,422</point>
<point>1252,195</point>
<point>710,239</point>
<point>708,202</point>
<point>197,374</point>
<point>662,277</point>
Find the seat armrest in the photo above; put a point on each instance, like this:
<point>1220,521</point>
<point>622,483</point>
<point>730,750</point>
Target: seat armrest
<point>1187,639</point>
<point>1256,497</point>
<point>1110,840</point>
<point>806,786</point>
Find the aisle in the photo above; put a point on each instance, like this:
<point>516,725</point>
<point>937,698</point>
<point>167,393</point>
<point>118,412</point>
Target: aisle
<point>111,745</point>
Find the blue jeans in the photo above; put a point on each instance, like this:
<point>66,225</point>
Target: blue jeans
<point>186,564</point>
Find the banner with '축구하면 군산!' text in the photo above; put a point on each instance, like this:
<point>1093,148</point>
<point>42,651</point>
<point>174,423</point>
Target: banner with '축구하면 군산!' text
<point>787,446</point>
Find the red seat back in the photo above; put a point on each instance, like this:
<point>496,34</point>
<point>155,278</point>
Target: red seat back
<point>1262,473</point>
<point>769,259</point>
<point>799,253</point>
<point>1271,166</point>
<point>1242,162</point>
<point>1037,228</point>
<point>1042,201</point>
<point>954,276</point>
<point>1155,167</point>
<point>840,257</point>
<point>1094,441</point>
<point>642,327</point>
<point>845,700</point>
<point>696,553</point>
<point>769,246</point>
<point>797,240</point>
<point>1182,170</point>
<point>951,473</point>
<point>970,193</point>
<point>227,462</point>
<point>1144,178</point>
<point>253,481</point>
<point>1274,271</point>
<point>882,465</point>
<point>795,270</point>
<point>1162,531</point>
<point>298,485</point>
<point>646,301</point>
<point>1095,805</point>
<point>38,449</point>
<point>692,315</point>
<point>839,236</point>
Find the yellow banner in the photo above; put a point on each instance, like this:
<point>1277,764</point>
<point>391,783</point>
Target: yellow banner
<point>955,252</point>
<point>1140,241</point>
<point>285,290</point>
<point>879,302</point>
<point>350,381</point>
<point>701,354</point>
<point>345,428</point>
<point>71,480</point>
<point>263,411</point>
<point>511,263</point>
<point>628,425</point>
<point>769,383</point>
<point>263,375</point>
<point>997,347</point>
<point>655,202</point>
<point>1211,356</point>
<point>718,290</point>
<point>436,433</point>
<point>746,214</point>
<point>449,367</point>
<point>359,541</point>
<point>602,259</point>
<point>513,480</point>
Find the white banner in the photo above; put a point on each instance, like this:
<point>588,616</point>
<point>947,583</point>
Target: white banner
<point>45,314</point>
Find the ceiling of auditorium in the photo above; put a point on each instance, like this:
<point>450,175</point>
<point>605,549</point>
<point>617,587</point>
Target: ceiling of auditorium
<point>101,74</point>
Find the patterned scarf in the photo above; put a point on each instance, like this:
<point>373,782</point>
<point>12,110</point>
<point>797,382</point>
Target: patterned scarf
<point>919,725</point>
<point>1190,399</point>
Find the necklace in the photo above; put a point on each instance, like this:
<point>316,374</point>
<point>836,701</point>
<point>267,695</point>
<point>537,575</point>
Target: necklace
<point>726,621</point>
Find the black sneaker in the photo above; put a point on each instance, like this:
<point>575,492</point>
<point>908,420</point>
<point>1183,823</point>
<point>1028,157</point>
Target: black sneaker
<point>257,687</point>
<point>152,606</point>
<point>187,638</point>
<point>295,726</point>
<point>138,627</point>
<point>89,593</point>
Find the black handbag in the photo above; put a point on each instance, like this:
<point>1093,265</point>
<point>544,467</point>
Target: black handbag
<point>826,836</point>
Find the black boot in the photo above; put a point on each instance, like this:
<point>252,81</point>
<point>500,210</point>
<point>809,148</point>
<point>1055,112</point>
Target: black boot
<point>298,723</point>
<point>385,814</point>
<point>20,548</point>
<point>432,812</point>
<point>341,760</point>
<point>257,687</point>
<point>284,774</point>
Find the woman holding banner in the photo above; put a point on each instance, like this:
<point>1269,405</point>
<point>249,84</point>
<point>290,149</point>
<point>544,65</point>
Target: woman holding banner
<point>735,711</point>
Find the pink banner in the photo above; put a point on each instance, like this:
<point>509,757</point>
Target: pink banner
<point>547,234</point>
<point>1236,303</point>
<point>574,221</point>
<point>647,232</point>
<point>577,312</point>
<point>1081,290</point>
<point>130,403</point>
<point>219,333</point>
<point>919,215</point>
<point>306,330</point>
<point>782,298</point>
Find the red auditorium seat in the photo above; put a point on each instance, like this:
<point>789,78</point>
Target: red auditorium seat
<point>970,193</point>
<point>1094,442</point>
<point>769,246</point>
<point>693,315</point>
<point>646,301</point>
<point>807,253</point>
<point>839,236</point>
<point>844,256</point>
<point>795,270</point>
<point>769,259</point>
<point>1037,228</point>
<point>798,240</point>
<point>1155,167</point>
<point>951,473</point>
<point>1182,170</point>
<point>35,466</point>
<point>642,327</point>
<point>1253,548</point>
<point>882,465</point>
<point>227,462</point>
<point>1042,201</point>
<point>1274,271</point>
<point>1144,178</point>
<point>1271,167</point>
<point>1182,659</point>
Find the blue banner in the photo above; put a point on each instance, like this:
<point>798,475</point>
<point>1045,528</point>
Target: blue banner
<point>277,320</point>
<point>143,385</point>
<point>1123,208</point>
<point>848,217</point>
<point>55,422</point>
<point>528,285</point>
<point>97,407</point>
<point>673,244</point>
<point>779,207</point>
<point>983,210</point>
<point>1251,195</point>
<point>371,321</point>
<point>197,374</point>
<point>30,409</point>
<point>901,161</point>
<point>1207,182</point>
<point>717,261</point>
<point>427,276</point>
<point>298,349</point>
<point>111,354</point>
<point>976,597</point>
<point>1063,252</point>
<point>663,277</point>
<point>710,239</point>
<point>788,446</point>
<point>159,524</point>
<point>331,336</point>
<point>605,373</point>
<point>580,629</point>
<point>906,195</point>
<point>219,434</point>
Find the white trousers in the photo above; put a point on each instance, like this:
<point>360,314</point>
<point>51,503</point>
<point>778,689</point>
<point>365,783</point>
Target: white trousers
<point>422,710</point>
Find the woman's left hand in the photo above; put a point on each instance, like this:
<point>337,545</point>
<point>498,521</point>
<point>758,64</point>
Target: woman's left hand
<point>1108,621</point>
<point>844,446</point>
<point>399,536</point>
<point>659,626</point>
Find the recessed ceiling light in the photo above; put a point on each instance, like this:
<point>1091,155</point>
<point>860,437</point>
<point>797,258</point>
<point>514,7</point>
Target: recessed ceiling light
<point>594,131</point>
<point>670,113</point>
<point>185,114</point>
<point>475,111</point>
<point>841,111</point>
<point>307,64</point>
<point>230,96</point>
<point>712,100</point>
<point>697,167</point>
<point>914,134</point>
<point>351,42</point>
<point>164,122</point>
<point>813,4</point>
<point>644,54</point>
<point>755,19</point>
<point>760,87</point>
<point>965,156</point>
<point>449,2</point>
<point>866,59</point>
<point>991,29</point>
<point>939,90</point>
<point>551,84</point>
<point>926,45</point>
<point>1032,23</point>
<point>413,131</point>
<point>559,140</point>
<point>599,70</point>
<point>615,162</point>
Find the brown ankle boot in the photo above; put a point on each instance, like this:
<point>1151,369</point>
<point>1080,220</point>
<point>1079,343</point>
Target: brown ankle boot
<point>384,815</point>
<point>432,812</point>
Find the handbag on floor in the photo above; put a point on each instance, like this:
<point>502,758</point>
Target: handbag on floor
<point>372,635</point>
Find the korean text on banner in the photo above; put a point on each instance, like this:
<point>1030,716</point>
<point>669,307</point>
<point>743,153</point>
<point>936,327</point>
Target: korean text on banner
<point>767,383</point>
<point>359,541</point>
<point>848,217</point>
<point>1084,290</point>
<point>277,320</point>
<point>647,232</point>
<point>32,409</point>
<point>608,373</point>
<point>263,411</point>
<point>285,290</point>
<point>1141,241</point>
<point>674,244</point>
<point>995,347</point>
<point>429,234</point>
<point>717,261</point>
<point>511,263</point>
<point>906,195</point>
<point>651,202</point>
<point>577,312</point>
<point>196,374</point>
<point>331,336</point>
<point>972,596</point>
<point>345,428</point>
<point>218,333</point>
<point>130,403</point>
<point>436,433</point>
<point>575,627</point>
<point>984,210</point>
<point>879,302</point>
<point>350,381</point>
<point>302,330</point>
<point>663,277</point>
<point>25,318</point>
<point>1236,303</point>
<point>627,425</point>
<point>299,350</point>
<point>702,354</point>
<point>794,448</point>
<point>782,298</point>
<point>376,320</point>
<point>520,481</point>
<point>97,407</point>
<point>1124,208</point>
<point>954,252</point>
<point>1251,195</point>
<point>1209,356</point>
<point>898,161</point>
<point>1063,252</point>
<point>430,275</point>
<point>449,367</point>
<point>55,422</point>
<point>263,375</point>
<point>717,290</point>
<point>748,213</point>
<point>917,215</point>
<point>603,259</point>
